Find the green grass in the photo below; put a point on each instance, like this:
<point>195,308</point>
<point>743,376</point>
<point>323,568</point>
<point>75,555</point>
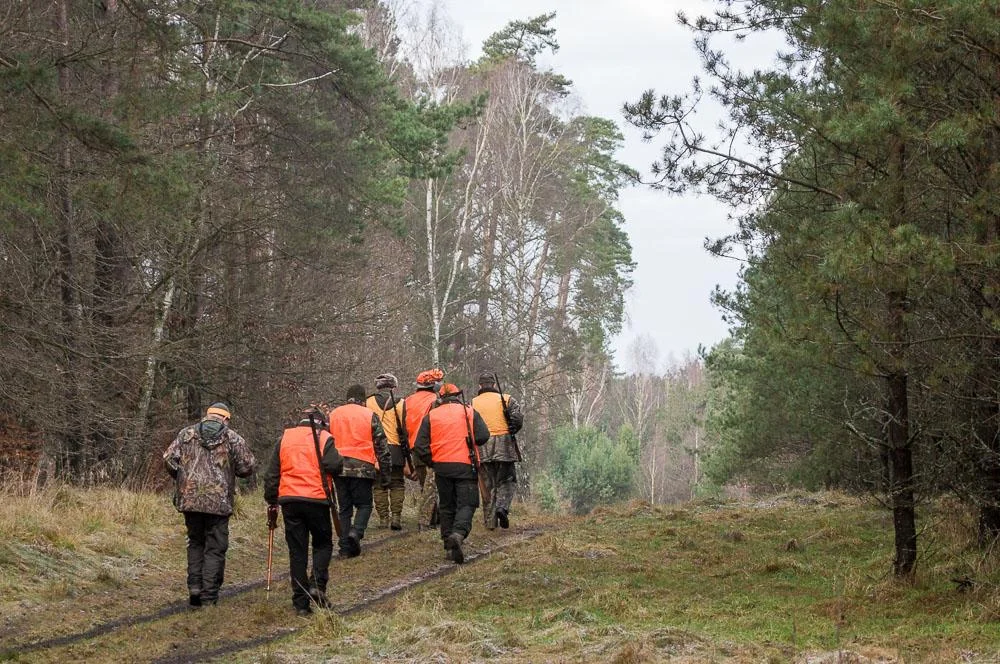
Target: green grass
<point>794,578</point>
<point>710,583</point>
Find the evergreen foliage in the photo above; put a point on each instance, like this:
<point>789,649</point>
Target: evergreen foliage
<point>867,302</point>
<point>590,468</point>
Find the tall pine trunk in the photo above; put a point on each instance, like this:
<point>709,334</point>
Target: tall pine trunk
<point>904,519</point>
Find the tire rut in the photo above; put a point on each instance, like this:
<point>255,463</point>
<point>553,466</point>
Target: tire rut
<point>375,598</point>
<point>174,608</point>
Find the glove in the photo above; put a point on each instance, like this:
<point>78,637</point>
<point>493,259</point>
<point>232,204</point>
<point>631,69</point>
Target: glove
<point>384,481</point>
<point>272,517</point>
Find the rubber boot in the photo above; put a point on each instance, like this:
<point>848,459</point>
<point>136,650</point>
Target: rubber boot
<point>454,544</point>
<point>353,543</point>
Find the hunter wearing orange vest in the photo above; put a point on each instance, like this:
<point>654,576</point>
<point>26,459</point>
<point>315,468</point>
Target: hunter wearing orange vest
<point>415,407</point>
<point>448,441</point>
<point>503,416</point>
<point>361,441</point>
<point>297,480</point>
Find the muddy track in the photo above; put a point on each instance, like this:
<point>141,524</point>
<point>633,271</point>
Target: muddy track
<point>220,650</point>
<point>174,608</point>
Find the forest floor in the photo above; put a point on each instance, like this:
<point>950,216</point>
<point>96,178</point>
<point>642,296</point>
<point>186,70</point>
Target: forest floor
<point>98,575</point>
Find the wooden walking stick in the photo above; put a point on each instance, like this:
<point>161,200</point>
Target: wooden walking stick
<point>272,523</point>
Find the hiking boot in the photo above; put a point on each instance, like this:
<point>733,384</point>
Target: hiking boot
<point>454,544</point>
<point>303,612</point>
<point>354,542</point>
<point>395,525</point>
<point>502,519</point>
<point>194,601</point>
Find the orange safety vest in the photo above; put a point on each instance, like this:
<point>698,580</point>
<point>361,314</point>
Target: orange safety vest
<point>389,419</point>
<point>351,426</point>
<point>449,433</point>
<point>300,475</point>
<point>490,408</point>
<point>418,405</point>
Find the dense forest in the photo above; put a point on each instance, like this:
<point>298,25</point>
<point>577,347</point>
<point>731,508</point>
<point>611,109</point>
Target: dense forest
<point>265,202</point>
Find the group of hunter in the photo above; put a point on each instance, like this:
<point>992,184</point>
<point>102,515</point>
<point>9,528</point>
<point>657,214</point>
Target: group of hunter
<point>332,468</point>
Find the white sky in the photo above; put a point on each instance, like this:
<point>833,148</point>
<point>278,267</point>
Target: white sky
<point>613,50</point>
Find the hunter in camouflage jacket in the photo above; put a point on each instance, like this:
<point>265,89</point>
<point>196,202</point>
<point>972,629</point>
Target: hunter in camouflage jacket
<point>205,459</point>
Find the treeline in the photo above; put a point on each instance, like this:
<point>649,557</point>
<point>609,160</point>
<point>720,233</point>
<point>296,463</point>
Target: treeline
<point>863,168</point>
<point>632,435</point>
<point>263,202</point>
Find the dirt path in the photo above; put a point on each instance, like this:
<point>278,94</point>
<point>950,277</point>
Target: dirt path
<point>247,617</point>
<point>392,590</point>
<point>108,626</point>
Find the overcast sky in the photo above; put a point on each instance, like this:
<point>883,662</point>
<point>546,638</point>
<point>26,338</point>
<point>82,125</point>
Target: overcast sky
<point>613,50</point>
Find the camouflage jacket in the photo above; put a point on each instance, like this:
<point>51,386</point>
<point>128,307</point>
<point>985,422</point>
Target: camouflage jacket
<point>205,459</point>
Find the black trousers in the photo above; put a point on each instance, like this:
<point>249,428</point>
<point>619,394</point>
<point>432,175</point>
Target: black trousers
<point>354,504</point>
<point>207,543</point>
<point>457,503</point>
<point>304,520</point>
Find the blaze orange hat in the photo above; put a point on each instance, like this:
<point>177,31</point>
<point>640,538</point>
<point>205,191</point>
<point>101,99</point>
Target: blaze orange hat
<point>220,409</point>
<point>449,389</point>
<point>429,377</point>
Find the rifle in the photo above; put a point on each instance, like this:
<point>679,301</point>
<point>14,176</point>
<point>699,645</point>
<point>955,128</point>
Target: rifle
<point>484,492</point>
<point>322,478</point>
<point>404,442</point>
<point>506,418</point>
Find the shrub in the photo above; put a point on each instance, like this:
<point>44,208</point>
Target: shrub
<point>591,469</point>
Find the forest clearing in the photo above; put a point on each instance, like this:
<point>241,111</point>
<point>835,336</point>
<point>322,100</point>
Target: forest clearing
<point>322,250</point>
<point>790,578</point>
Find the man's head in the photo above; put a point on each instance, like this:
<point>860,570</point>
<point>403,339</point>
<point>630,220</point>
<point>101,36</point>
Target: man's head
<point>314,413</point>
<point>430,379</point>
<point>487,379</point>
<point>219,410</point>
<point>356,393</point>
<point>386,381</point>
<point>449,390</point>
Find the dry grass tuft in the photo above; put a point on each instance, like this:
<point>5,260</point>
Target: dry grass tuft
<point>632,654</point>
<point>734,536</point>
<point>864,656</point>
<point>554,546</point>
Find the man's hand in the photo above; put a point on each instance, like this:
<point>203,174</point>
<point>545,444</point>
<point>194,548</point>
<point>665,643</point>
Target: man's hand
<point>272,517</point>
<point>384,480</point>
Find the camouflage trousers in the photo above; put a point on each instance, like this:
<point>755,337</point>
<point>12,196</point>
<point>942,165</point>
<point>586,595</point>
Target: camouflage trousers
<point>389,501</point>
<point>427,497</point>
<point>501,483</point>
